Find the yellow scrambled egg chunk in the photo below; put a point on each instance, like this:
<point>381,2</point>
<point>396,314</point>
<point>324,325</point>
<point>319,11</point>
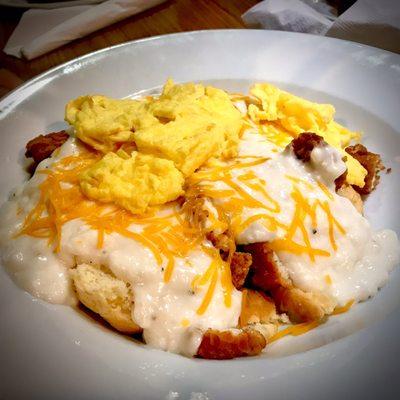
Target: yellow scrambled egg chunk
<point>101,122</point>
<point>187,124</point>
<point>172,135</point>
<point>194,124</point>
<point>284,116</point>
<point>295,114</point>
<point>134,181</point>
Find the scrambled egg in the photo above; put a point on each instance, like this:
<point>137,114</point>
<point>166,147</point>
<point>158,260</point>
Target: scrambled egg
<point>195,124</point>
<point>101,122</point>
<point>164,140</point>
<point>134,181</point>
<point>187,124</point>
<point>283,116</point>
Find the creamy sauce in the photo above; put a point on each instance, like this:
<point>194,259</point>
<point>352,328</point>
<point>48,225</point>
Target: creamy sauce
<point>360,264</point>
<point>167,312</point>
<point>161,309</point>
<point>327,163</point>
<point>30,262</point>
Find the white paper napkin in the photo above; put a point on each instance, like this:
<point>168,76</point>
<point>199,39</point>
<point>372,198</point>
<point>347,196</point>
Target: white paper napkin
<point>372,22</point>
<point>41,31</point>
<point>289,15</point>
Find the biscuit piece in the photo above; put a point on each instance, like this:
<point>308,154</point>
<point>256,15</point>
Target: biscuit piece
<point>99,290</point>
<point>223,345</point>
<point>348,191</point>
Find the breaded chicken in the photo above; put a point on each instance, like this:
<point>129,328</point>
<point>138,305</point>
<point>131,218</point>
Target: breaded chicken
<point>42,146</point>
<point>371,162</point>
<point>240,266</point>
<point>266,271</point>
<point>302,306</point>
<point>223,345</point>
<point>99,290</point>
<point>267,274</point>
<point>240,262</point>
<point>220,241</point>
<point>304,144</point>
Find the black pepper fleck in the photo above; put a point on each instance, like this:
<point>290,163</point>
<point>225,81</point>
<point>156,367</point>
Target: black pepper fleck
<point>314,231</point>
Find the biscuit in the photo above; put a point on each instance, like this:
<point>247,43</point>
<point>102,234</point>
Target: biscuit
<point>99,290</point>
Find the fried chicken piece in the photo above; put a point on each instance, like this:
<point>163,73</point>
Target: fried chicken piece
<point>371,162</point>
<point>355,198</point>
<point>100,291</point>
<point>240,266</point>
<point>42,146</point>
<point>257,308</point>
<point>304,144</point>
<point>268,275</point>
<point>239,263</point>
<point>265,271</point>
<point>224,345</point>
<point>220,241</point>
<point>341,180</point>
<point>302,306</point>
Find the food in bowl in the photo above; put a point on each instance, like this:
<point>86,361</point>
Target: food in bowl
<point>210,223</point>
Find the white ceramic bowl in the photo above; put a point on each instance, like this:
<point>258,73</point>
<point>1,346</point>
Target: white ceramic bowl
<point>55,352</point>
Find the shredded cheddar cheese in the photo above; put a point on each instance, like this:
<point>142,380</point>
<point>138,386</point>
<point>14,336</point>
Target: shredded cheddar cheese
<point>167,237</point>
<point>295,330</point>
<point>345,308</point>
<point>236,198</point>
<point>218,268</point>
<point>165,173</point>
<point>302,328</point>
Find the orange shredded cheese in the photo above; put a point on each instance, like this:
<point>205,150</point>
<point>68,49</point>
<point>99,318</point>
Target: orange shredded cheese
<point>235,199</point>
<point>345,308</point>
<point>296,330</point>
<point>300,329</point>
<point>167,237</point>
<point>299,180</point>
<point>175,234</point>
<point>325,190</point>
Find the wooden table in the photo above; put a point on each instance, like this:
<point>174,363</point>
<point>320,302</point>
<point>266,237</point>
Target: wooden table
<point>171,16</point>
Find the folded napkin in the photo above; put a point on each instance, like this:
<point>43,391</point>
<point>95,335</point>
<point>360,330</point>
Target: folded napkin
<point>291,15</point>
<point>372,22</point>
<point>41,31</point>
<point>376,23</point>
